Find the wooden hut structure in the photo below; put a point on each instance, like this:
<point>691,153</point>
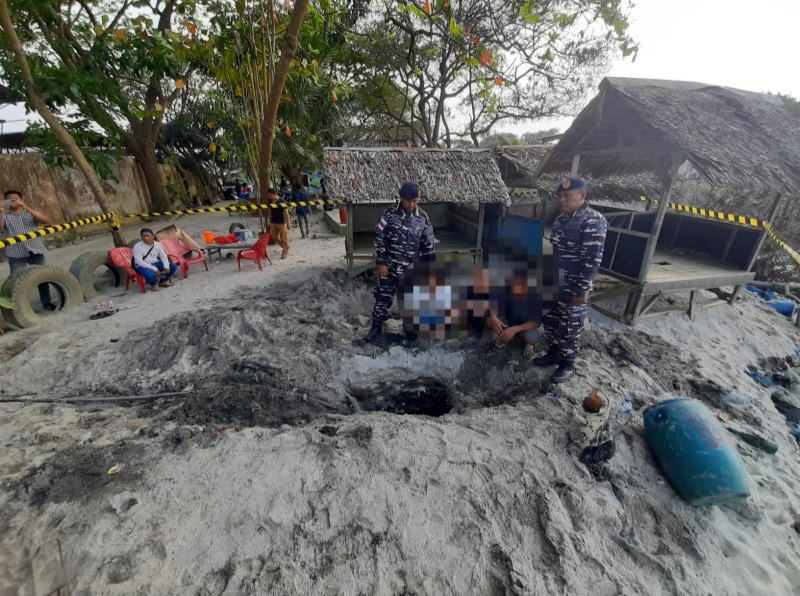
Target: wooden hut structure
<point>455,184</point>
<point>730,137</point>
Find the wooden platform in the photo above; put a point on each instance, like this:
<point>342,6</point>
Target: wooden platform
<point>671,271</point>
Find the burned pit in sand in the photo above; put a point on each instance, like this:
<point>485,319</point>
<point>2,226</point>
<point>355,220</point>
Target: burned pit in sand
<point>292,352</point>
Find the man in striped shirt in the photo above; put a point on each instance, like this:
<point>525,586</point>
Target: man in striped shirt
<point>21,219</point>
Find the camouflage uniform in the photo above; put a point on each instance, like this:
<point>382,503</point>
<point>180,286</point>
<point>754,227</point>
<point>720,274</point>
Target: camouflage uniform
<point>400,239</point>
<point>578,242</point>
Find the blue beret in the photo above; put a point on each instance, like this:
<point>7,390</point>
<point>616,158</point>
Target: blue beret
<point>409,190</point>
<point>145,231</point>
<point>576,183</point>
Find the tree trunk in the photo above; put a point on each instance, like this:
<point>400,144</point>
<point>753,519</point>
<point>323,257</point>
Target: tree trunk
<point>276,92</point>
<point>146,158</point>
<point>62,134</point>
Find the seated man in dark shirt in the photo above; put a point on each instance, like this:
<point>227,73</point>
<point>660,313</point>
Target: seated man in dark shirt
<point>515,316</point>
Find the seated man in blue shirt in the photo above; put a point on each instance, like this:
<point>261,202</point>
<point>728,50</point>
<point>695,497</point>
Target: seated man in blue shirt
<point>517,315</point>
<point>151,260</point>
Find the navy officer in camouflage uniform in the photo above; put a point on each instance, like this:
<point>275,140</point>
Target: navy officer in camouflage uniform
<point>403,235</point>
<point>578,237</point>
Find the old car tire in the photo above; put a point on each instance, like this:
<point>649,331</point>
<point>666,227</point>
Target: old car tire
<point>83,269</point>
<point>23,285</point>
<point>234,227</point>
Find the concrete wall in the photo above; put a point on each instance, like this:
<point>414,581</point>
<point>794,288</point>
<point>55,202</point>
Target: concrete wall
<point>63,195</point>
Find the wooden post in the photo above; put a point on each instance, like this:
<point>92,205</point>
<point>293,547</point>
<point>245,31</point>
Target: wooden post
<point>576,160</point>
<point>692,308</point>
<point>349,238</point>
<point>773,213</point>
<point>669,182</point>
<point>478,247</point>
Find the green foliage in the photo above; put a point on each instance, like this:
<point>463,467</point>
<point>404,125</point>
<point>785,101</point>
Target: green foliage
<point>472,64</point>
<point>98,150</point>
<point>790,103</point>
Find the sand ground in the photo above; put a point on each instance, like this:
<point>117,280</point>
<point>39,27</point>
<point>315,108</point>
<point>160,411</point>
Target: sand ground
<point>281,469</point>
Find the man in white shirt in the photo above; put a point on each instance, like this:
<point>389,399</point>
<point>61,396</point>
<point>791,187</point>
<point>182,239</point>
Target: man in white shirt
<point>150,260</point>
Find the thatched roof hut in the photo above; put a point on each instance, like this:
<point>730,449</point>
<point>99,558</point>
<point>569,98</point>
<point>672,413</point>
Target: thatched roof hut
<point>375,175</point>
<point>731,138</point>
<point>519,165</point>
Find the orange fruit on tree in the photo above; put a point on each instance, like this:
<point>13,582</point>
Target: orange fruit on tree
<point>179,84</point>
<point>212,147</point>
<point>486,58</point>
<point>288,131</point>
<point>428,7</point>
<point>498,81</point>
<point>119,34</point>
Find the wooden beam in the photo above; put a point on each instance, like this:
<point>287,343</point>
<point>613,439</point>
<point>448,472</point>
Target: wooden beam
<point>478,246</point>
<point>773,213</point>
<point>624,153</point>
<point>576,160</point>
<point>349,237</point>
<point>677,161</point>
<point>692,312</point>
<point>649,303</point>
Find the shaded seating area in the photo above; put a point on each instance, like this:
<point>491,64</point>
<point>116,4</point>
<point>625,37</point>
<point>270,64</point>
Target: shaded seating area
<point>731,138</point>
<point>455,185</point>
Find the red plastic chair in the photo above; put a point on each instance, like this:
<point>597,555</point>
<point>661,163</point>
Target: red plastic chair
<point>121,257</point>
<point>259,252</point>
<point>175,254</point>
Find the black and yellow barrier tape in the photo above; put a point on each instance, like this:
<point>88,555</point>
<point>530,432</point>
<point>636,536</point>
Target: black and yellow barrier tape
<point>738,219</point>
<point>239,208</point>
<point>112,217</point>
<point>48,230</point>
<point>712,214</point>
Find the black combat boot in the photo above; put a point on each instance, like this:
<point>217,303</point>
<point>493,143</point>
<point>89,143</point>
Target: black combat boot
<point>563,373</point>
<point>374,332</point>
<point>550,359</point>
<point>411,335</point>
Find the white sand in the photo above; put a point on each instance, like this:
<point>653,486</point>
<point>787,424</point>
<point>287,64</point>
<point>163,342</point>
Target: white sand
<point>484,500</point>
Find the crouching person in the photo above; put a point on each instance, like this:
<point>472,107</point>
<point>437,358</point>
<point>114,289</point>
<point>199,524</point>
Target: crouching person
<point>151,261</point>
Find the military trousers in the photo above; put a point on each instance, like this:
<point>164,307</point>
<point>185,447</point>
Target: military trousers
<point>563,326</point>
<point>385,291</point>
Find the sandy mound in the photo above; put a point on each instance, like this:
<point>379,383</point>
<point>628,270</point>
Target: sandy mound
<point>287,469</point>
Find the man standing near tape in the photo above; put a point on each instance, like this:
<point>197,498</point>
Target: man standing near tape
<point>21,219</point>
<point>578,238</point>
<point>403,235</point>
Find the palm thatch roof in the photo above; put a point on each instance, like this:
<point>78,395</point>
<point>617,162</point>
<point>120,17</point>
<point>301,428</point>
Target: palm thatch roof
<point>375,175</point>
<point>731,138</point>
<point>519,165</point>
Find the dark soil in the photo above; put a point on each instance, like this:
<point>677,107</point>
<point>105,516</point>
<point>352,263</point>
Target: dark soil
<point>80,473</point>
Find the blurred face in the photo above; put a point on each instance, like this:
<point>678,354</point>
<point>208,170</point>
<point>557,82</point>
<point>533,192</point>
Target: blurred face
<point>519,286</point>
<point>410,204</point>
<point>147,238</point>
<point>14,196</point>
<point>272,198</point>
<point>570,201</point>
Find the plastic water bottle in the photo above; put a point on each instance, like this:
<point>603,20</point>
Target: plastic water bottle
<point>624,414</point>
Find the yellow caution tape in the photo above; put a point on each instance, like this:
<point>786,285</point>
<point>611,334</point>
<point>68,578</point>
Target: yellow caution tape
<point>234,208</point>
<point>48,230</point>
<point>738,219</point>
